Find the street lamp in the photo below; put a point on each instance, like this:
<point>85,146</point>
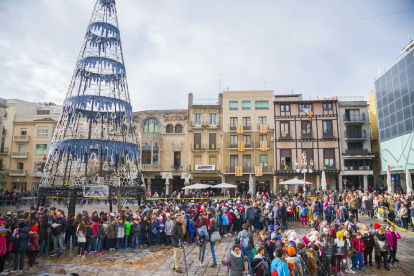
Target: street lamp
<point>304,167</point>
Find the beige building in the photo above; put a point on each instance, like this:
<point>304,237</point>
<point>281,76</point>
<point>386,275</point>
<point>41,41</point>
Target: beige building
<point>375,147</point>
<point>248,127</point>
<point>28,131</point>
<point>307,128</point>
<point>163,145</point>
<point>205,139</point>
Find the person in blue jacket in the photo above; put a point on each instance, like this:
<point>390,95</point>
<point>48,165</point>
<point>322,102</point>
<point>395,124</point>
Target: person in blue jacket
<point>225,222</point>
<point>329,211</point>
<point>279,264</point>
<point>191,229</point>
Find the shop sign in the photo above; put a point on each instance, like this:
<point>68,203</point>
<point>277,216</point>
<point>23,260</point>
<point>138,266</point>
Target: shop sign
<point>242,182</point>
<point>210,181</point>
<point>205,167</point>
<point>263,182</point>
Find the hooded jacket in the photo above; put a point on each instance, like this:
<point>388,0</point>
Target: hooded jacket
<point>177,234</point>
<point>280,266</point>
<point>249,212</point>
<point>21,243</point>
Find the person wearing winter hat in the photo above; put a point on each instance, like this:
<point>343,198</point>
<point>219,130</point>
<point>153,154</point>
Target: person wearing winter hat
<point>33,245</point>
<point>305,240</point>
<point>339,250</point>
<point>297,260</point>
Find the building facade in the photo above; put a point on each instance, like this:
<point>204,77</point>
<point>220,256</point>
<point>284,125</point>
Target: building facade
<point>205,140</point>
<point>394,95</point>
<point>375,149</point>
<point>307,128</point>
<point>248,127</point>
<point>356,159</point>
<point>3,150</point>
<point>162,141</point>
<point>28,130</point>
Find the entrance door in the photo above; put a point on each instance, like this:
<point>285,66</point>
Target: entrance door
<point>177,184</point>
<point>158,185</point>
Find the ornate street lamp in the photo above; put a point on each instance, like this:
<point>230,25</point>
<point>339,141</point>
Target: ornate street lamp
<point>304,167</point>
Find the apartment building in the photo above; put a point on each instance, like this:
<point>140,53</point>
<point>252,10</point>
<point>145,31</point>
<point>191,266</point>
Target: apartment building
<point>3,150</point>
<point>307,128</point>
<point>375,147</point>
<point>164,147</point>
<point>205,139</point>
<point>248,127</point>
<point>356,145</point>
<point>27,134</point>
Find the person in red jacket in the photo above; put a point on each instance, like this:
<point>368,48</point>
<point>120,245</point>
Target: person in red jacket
<point>359,247</point>
<point>33,245</point>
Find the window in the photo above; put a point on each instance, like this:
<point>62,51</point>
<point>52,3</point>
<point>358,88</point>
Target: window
<point>151,125</point>
<point>212,141</point>
<point>263,160</point>
<point>262,104</point>
<point>309,155</point>
<point>41,149</point>
<point>169,129</point>
<point>284,130</point>
<point>262,120</point>
<point>327,128</point>
<point>306,128</point>
<point>353,132</point>
<point>178,128</point>
<point>285,108</point>
<point>263,137</point>
<point>197,141</point>
<point>234,161</point>
<point>233,105</point>
<point>197,119</point>
<point>304,107</point>
<point>285,159</point>
<point>247,163</point>
<point>233,140</point>
<point>355,145</point>
<point>233,123</point>
<point>247,141</point>
<point>246,105</point>
<point>352,115</point>
<point>20,166</point>
<point>43,112</point>
<point>212,160</point>
<point>155,151</point>
<point>23,131</point>
<point>329,158</point>
<point>177,159</point>
<point>213,119</point>
<point>22,148</point>
<point>146,154</point>
<point>42,132</point>
<point>327,106</point>
<point>246,123</point>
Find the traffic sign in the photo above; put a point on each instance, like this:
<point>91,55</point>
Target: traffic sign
<point>344,180</point>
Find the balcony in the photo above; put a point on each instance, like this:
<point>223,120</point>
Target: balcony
<point>267,169</point>
<point>211,147</point>
<point>285,135</point>
<point>232,145</point>
<point>265,128</point>
<point>20,154</point>
<point>196,125</point>
<point>355,135</point>
<point>211,125</point>
<point>360,168</point>
<point>328,134</point>
<point>354,119</point>
<point>249,127</point>
<point>3,170</point>
<point>231,169</point>
<point>18,172</point>
<point>356,152</point>
<point>307,134</point>
<point>4,151</point>
<point>4,131</point>
<point>150,167</point>
<point>232,127</point>
<point>248,145</point>
<point>197,147</point>
<point>21,138</point>
<point>258,144</point>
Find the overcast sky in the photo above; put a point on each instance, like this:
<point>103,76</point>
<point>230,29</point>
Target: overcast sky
<point>171,47</point>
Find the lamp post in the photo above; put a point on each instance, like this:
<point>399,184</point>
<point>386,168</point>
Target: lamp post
<point>304,167</point>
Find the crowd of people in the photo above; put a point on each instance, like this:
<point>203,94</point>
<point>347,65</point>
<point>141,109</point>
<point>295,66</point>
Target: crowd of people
<point>258,225</point>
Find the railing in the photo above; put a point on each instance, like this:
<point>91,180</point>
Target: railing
<point>197,147</point>
<point>354,118</point>
<point>307,134</point>
<point>150,167</point>
<point>248,145</point>
<point>176,168</point>
<point>285,135</point>
<point>267,169</point>
<point>258,126</point>
<point>232,145</point>
<point>197,124</point>
<point>360,168</point>
<point>21,138</point>
<point>328,134</point>
<point>20,154</point>
<point>211,147</point>
<point>210,124</point>
<point>354,152</point>
<point>18,172</point>
<point>247,127</point>
<point>258,144</point>
<point>286,167</point>
<point>4,150</point>
<point>4,131</point>
<point>231,128</point>
<point>4,170</point>
<point>356,134</point>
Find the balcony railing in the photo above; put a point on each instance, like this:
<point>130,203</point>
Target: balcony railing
<point>211,147</point>
<point>354,152</point>
<point>19,154</point>
<point>4,131</point>
<point>285,135</point>
<point>267,169</point>
<point>328,134</point>
<point>4,150</point>
<point>258,144</point>
<point>210,124</point>
<point>354,118</point>
<point>232,127</point>
<point>267,126</point>
<point>197,147</point>
<point>306,134</point>
<point>197,124</point>
<point>249,127</point>
<point>360,168</point>
<point>150,167</point>
<point>18,172</point>
<point>286,166</point>
<point>3,170</point>
<point>355,134</point>
<point>21,138</point>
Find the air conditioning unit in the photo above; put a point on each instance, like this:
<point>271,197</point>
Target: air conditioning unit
<point>283,160</point>
<point>272,139</point>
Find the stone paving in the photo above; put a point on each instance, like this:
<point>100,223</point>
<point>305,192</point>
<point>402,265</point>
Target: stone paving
<point>157,261</point>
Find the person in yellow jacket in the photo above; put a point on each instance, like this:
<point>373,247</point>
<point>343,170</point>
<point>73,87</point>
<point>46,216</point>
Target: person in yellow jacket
<point>310,212</point>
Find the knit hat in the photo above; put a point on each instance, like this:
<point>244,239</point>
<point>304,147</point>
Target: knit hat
<point>377,226</point>
<point>236,240</point>
<point>34,228</point>
<point>2,229</point>
<point>312,238</point>
<point>273,237</point>
<point>270,227</point>
<point>291,251</point>
<point>305,240</point>
<point>293,236</point>
<point>277,228</point>
<point>315,247</point>
<point>325,230</point>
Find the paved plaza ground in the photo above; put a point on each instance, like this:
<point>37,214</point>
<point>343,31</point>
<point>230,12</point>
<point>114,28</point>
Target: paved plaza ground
<point>157,261</point>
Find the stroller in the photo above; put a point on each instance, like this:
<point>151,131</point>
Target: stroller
<point>398,221</point>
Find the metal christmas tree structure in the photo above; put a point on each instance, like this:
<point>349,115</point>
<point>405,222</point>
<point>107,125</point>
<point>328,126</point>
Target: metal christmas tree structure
<point>95,136</point>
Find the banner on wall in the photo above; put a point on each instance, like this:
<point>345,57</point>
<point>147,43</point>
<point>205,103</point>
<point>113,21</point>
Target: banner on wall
<point>205,167</point>
<point>96,191</point>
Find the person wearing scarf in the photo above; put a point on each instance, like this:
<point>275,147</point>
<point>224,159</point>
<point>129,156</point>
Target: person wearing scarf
<point>381,248</point>
<point>235,261</point>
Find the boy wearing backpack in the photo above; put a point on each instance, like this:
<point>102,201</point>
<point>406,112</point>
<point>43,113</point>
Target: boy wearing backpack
<point>246,240</point>
<point>260,264</point>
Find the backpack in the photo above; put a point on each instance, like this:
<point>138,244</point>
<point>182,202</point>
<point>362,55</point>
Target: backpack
<point>274,273</point>
<point>245,242</point>
<point>200,239</point>
<point>262,268</point>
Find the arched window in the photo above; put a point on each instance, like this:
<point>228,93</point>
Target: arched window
<point>178,129</point>
<point>151,125</point>
<point>146,154</point>
<point>170,129</point>
<point>155,151</point>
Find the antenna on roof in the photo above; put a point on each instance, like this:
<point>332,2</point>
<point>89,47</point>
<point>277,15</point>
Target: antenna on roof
<point>292,92</point>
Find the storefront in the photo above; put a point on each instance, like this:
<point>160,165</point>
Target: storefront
<point>242,186</point>
<point>263,186</point>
